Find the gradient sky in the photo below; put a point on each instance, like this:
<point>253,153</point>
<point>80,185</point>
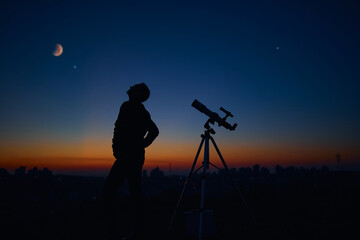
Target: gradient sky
<point>287,70</point>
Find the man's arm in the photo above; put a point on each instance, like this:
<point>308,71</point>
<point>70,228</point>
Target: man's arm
<point>153,132</point>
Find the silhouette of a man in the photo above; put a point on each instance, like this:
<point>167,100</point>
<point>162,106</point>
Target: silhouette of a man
<point>134,131</point>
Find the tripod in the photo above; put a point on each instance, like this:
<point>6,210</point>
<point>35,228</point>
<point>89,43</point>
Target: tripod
<point>205,165</point>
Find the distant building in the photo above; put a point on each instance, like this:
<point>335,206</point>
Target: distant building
<point>265,172</point>
<point>3,172</point>
<point>20,171</point>
<point>34,171</point>
<point>256,170</point>
<point>156,173</point>
<point>45,172</point>
<point>279,170</point>
<point>144,173</point>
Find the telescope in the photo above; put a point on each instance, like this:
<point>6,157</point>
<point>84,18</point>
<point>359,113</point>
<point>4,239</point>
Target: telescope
<point>213,116</point>
<point>206,138</point>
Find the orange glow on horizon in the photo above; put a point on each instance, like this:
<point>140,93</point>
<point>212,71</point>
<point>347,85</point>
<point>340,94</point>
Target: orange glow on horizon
<point>96,155</point>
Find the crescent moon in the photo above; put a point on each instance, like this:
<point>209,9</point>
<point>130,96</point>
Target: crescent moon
<point>58,50</point>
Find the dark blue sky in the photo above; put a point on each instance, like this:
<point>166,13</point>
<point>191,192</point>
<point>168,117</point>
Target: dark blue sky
<point>288,70</point>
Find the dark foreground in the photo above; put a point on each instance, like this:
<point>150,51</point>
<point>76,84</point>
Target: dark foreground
<point>290,204</point>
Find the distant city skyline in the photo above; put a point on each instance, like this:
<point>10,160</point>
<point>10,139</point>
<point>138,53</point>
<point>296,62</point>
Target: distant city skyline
<point>288,71</point>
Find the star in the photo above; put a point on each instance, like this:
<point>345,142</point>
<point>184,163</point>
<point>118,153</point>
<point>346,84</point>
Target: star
<point>75,67</point>
<point>277,48</point>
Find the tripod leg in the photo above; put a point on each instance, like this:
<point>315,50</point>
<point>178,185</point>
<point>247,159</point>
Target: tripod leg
<point>203,181</point>
<point>232,179</point>
<point>186,184</point>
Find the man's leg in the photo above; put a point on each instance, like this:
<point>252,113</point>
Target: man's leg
<point>111,186</point>
<point>136,200</point>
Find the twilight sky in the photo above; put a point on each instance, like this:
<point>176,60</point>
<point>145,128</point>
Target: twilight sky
<point>287,70</point>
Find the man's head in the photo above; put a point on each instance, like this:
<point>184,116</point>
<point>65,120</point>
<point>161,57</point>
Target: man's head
<point>138,92</point>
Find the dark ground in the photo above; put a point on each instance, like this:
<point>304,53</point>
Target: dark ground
<point>291,204</point>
